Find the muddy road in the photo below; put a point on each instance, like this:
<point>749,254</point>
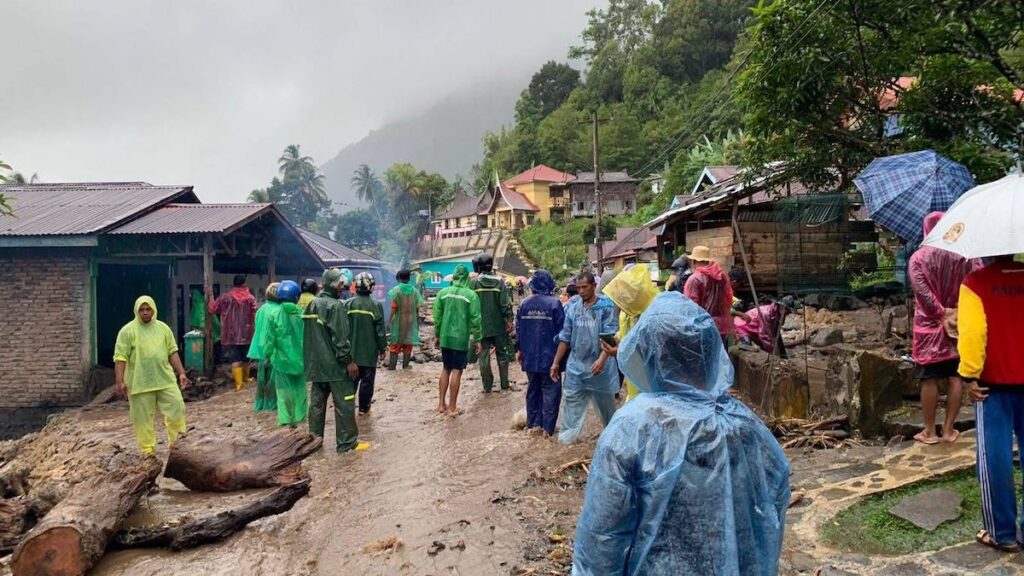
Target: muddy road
<point>466,495</point>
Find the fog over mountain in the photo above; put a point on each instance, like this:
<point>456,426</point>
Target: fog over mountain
<point>210,93</point>
<point>447,138</point>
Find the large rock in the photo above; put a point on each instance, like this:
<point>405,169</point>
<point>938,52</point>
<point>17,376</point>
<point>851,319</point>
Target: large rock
<point>827,336</point>
<point>876,384</point>
<point>929,509</point>
<point>773,385</point>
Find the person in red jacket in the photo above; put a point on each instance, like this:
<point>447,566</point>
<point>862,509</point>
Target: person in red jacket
<point>990,317</point>
<point>710,288</point>
<point>237,311</point>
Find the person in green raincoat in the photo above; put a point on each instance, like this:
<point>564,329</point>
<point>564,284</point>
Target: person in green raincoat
<point>283,347</point>
<point>632,291</point>
<point>405,322</point>
<point>366,326</point>
<point>456,321</point>
<point>266,397</point>
<point>145,362</point>
<point>496,321</point>
<point>329,363</point>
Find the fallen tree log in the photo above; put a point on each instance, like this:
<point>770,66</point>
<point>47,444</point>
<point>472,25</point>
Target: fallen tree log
<point>74,535</point>
<point>192,533</point>
<point>210,464</point>
<point>14,521</point>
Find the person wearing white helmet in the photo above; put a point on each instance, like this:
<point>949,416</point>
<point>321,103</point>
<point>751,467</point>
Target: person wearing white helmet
<point>366,330</point>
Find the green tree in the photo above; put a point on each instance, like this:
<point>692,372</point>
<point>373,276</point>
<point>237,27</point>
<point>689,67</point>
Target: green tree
<point>365,183</point>
<point>825,96</point>
<point>694,37</point>
<point>551,86</point>
<point>5,207</point>
<point>302,193</point>
<point>359,229</point>
<point>19,178</point>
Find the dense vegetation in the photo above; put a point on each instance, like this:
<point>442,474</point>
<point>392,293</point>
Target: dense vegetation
<point>680,84</point>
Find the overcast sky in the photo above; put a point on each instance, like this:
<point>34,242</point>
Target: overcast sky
<point>208,93</point>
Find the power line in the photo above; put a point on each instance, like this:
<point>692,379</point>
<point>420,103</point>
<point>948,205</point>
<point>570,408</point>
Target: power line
<point>674,146</point>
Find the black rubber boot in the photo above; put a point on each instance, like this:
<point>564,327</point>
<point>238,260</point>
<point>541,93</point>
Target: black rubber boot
<point>406,359</point>
<point>393,361</point>
<point>503,375</point>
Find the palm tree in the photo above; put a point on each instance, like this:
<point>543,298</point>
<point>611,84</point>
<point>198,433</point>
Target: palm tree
<point>19,178</point>
<point>365,183</point>
<point>292,163</point>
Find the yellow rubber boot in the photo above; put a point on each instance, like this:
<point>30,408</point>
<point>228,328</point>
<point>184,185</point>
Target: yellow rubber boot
<point>239,375</point>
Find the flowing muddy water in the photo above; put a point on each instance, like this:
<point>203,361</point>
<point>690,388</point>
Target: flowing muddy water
<point>440,485</point>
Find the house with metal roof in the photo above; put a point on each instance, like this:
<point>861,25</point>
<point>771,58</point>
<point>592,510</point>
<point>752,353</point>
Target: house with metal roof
<point>467,215</point>
<point>545,188</point>
<point>788,237</point>
<point>75,256</point>
<point>509,209</point>
<point>618,194</point>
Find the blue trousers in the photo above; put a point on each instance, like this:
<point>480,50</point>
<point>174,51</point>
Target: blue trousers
<point>574,411</point>
<point>542,399</point>
<point>999,417</point>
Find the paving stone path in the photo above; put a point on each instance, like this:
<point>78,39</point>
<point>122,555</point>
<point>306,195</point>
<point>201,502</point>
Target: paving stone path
<point>833,480</point>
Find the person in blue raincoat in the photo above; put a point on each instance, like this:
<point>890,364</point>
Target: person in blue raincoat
<point>685,479</point>
<point>539,320</point>
<point>591,374</point>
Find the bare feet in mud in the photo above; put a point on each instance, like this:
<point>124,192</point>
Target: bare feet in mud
<point>453,412</point>
<point>442,409</point>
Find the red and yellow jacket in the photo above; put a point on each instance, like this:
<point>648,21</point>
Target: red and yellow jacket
<point>991,324</point>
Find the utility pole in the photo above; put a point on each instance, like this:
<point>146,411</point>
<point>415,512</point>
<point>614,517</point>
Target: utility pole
<point>597,195</point>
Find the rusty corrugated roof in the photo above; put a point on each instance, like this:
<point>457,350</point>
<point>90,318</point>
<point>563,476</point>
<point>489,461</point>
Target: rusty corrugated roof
<point>75,209</point>
<point>194,219</point>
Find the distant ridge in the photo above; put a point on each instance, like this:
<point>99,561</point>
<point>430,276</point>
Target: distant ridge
<point>447,138</point>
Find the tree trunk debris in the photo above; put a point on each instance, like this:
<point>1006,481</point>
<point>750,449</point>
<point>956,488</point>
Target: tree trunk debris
<point>74,535</point>
<point>192,533</point>
<point>799,433</point>
<point>209,464</point>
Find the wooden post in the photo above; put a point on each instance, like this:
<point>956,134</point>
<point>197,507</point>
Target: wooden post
<point>597,196</point>
<point>272,261</point>
<point>208,290</point>
<point>743,251</point>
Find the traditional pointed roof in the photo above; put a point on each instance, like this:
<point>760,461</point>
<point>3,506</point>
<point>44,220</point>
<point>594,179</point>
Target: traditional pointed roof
<point>513,199</point>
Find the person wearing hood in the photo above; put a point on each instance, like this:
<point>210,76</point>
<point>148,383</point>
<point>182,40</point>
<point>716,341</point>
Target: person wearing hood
<point>591,374</point>
<point>405,320</point>
<point>763,325</point>
<point>456,322</point>
<point>145,363</point>
<point>539,320</point>
<point>496,321</point>
<point>710,288</point>
<point>283,347</point>
<point>237,311</point>
<point>686,479</point>
<point>329,364</point>
<point>935,277</point>
<point>266,397</point>
<point>632,292</point>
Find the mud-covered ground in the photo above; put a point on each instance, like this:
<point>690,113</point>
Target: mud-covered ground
<point>466,495</point>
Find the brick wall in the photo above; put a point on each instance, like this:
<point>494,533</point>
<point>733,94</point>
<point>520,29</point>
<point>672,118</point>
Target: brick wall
<point>44,326</point>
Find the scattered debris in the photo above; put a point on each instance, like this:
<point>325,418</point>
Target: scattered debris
<point>436,547</point>
<point>389,544</point>
<point>800,433</point>
<point>519,420</point>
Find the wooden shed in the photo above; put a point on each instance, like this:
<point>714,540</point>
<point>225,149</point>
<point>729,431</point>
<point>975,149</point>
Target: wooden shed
<point>792,239</point>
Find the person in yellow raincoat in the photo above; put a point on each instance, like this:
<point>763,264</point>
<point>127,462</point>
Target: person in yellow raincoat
<point>632,291</point>
<point>145,362</point>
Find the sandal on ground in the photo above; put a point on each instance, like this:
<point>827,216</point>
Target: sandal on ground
<point>927,440</point>
<point>953,437</point>
<point>983,537</point>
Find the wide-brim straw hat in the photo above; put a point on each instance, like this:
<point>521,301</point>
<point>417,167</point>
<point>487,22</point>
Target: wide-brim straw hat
<point>700,254</point>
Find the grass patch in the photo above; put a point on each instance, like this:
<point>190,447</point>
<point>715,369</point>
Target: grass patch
<point>867,527</point>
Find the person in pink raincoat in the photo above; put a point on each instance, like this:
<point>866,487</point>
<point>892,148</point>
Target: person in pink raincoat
<point>935,278</point>
<point>762,325</point>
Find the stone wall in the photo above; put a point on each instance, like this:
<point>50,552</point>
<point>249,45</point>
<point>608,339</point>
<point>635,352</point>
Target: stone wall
<point>44,327</point>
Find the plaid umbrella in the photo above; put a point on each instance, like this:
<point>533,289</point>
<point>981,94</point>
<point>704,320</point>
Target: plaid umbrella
<point>901,190</point>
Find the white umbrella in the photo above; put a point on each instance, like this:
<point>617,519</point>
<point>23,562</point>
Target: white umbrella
<point>988,220</point>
